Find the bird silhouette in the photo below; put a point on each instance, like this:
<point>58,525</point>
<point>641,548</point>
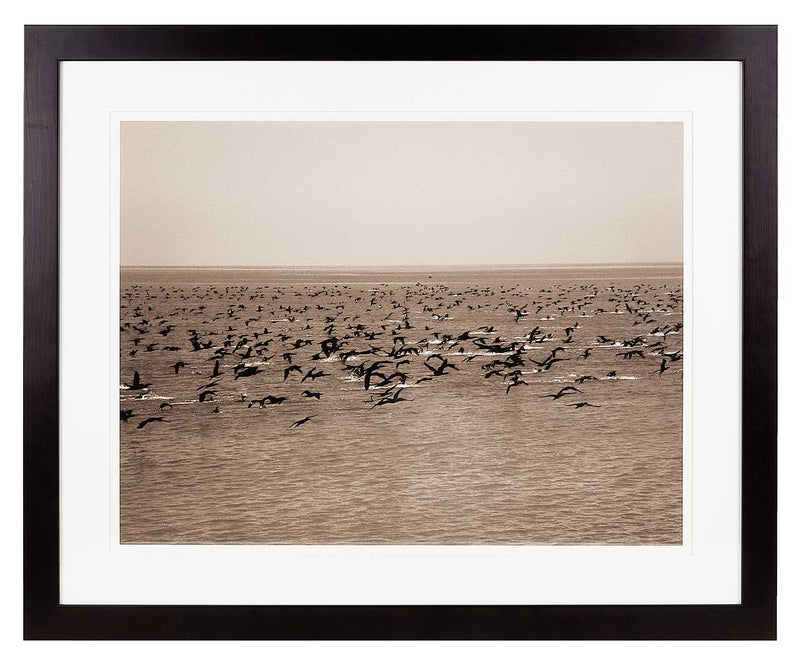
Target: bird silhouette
<point>247,372</point>
<point>137,384</point>
<point>302,421</point>
<point>564,391</point>
<point>311,375</point>
<point>290,369</point>
<point>150,420</point>
<point>663,368</point>
<point>206,395</point>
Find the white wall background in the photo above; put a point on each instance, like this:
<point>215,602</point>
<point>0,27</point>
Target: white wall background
<point>411,11</point>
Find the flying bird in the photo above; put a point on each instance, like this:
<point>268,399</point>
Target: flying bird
<point>302,421</point>
<point>150,420</point>
<point>137,384</point>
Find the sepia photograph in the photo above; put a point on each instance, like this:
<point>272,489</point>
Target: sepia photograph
<point>401,332</point>
<point>398,332</point>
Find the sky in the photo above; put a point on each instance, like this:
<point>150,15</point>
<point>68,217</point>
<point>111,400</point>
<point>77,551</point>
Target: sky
<point>400,193</point>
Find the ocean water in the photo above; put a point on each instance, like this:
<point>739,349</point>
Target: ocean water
<point>453,458</point>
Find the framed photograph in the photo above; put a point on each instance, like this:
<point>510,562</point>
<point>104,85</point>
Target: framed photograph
<point>400,332</point>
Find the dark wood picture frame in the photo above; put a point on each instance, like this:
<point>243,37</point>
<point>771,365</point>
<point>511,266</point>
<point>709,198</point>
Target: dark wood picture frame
<point>45,617</point>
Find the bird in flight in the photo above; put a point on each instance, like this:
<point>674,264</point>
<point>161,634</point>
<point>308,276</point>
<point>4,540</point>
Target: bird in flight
<point>302,421</point>
<point>663,368</point>
<point>630,353</point>
<point>288,370</point>
<point>515,383</point>
<point>247,372</point>
<point>564,391</point>
<point>150,420</point>
<point>137,384</point>
<point>394,398</point>
<point>311,375</point>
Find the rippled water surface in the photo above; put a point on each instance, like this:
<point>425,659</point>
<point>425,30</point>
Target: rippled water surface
<point>456,457</point>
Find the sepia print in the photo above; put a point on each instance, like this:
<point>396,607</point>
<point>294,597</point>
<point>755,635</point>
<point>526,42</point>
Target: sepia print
<point>401,333</point>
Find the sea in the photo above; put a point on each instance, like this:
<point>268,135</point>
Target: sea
<point>463,434</point>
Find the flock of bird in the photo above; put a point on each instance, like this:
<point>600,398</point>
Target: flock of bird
<point>234,341</point>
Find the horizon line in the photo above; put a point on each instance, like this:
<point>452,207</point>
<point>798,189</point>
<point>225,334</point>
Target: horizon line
<point>415,266</point>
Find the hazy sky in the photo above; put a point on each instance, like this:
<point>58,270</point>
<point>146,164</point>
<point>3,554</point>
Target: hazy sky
<point>400,193</point>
